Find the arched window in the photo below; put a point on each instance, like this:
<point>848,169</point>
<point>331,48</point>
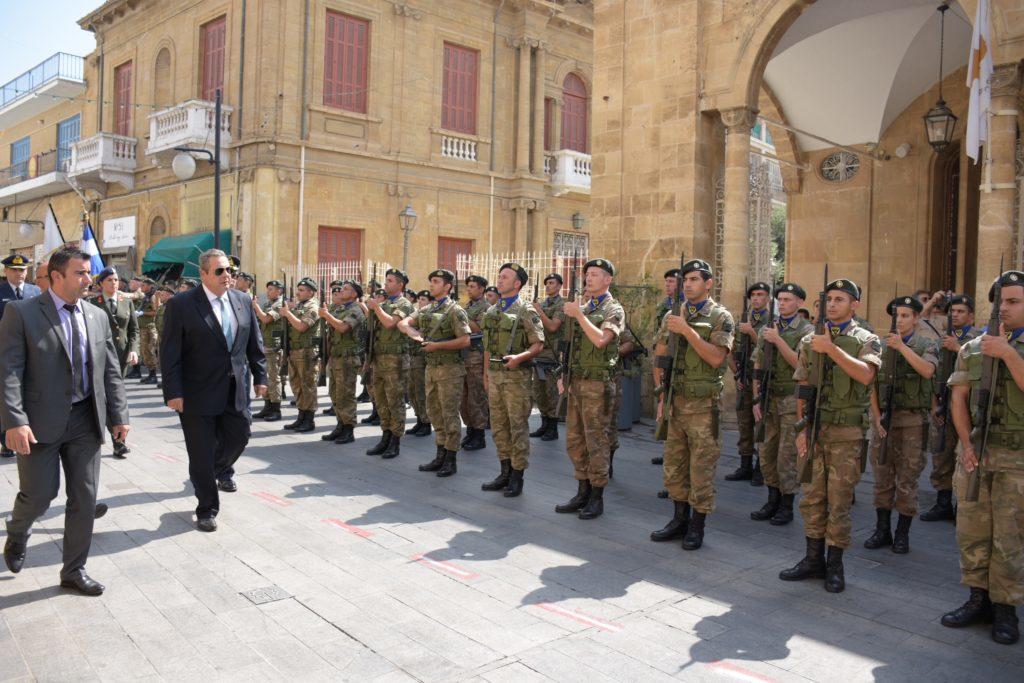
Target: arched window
<point>162,78</point>
<point>575,132</point>
<point>157,227</point>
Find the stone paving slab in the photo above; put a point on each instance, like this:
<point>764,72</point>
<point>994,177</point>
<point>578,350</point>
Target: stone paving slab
<point>390,574</point>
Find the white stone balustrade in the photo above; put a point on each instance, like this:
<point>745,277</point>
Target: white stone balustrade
<point>189,124</point>
<point>104,158</point>
<point>462,149</point>
<point>570,171</point>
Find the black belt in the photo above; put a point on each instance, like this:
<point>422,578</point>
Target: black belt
<point>84,401</point>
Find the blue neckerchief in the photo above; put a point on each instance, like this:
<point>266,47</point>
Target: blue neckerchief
<point>440,302</point>
<point>906,340</point>
<point>594,303</point>
<point>785,322</point>
<point>962,332</point>
<point>394,298</point>
<point>1016,333</point>
<point>836,330</point>
<point>694,309</point>
<point>507,302</point>
<point>346,306</point>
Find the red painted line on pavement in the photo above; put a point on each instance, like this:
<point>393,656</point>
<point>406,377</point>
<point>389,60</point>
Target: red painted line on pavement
<point>446,567</point>
<point>738,672</point>
<point>165,458</point>
<point>271,498</point>
<point>361,533</point>
<point>581,617</point>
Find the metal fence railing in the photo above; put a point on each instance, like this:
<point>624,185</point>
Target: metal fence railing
<point>33,167</point>
<point>59,65</point>
<point>538,264</point>
<point>328,271</point>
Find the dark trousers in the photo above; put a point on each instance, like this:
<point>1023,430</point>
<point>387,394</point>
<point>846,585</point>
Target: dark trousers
<point>214,443</point>
<point>78,450</point>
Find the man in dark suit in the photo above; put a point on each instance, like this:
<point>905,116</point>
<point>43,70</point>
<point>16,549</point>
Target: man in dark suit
<point>14,289</point>
<point>60,384</point>
<point>210,346</point>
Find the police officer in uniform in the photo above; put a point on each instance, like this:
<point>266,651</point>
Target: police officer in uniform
<point>273,328</point>
<point>545,381</point>
<point>852,356</point>
<point>390,361</point>
<point>344,350</point>
<point>443,331</point>
<point>705,330</point>
<point>417,377</point>
<point>513,336</point>
<point>303,345</point>
<point>589,383</point>
<point>14,288</point>
<point>474,398</point>
<point>759,297</point>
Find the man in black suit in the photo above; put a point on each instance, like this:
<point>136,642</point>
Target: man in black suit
<point>60,384</point>
<point>210,345</point>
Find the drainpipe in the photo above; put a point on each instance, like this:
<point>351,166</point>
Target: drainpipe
<point>241,75</point>
<point>494,118</point>
<point>302,135</point>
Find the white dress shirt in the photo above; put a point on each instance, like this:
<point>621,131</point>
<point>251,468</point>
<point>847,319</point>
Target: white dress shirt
<point>215,304</point>
<point>83,341</point>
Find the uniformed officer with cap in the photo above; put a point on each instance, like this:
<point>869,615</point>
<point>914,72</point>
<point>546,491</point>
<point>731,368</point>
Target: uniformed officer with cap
<point>589,382</point>
<point>14,289</point>
<point>758,298</point>
<point>852,356</point>
<point>545,380</point>
<point>344,350</point>
<point>474,399</point>
<point>303,346</point>
<point>273,328</point>
<point>705,330</point>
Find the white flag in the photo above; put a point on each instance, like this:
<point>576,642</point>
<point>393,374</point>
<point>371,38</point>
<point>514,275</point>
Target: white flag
<point>53,239</point>
<point>979,80</point>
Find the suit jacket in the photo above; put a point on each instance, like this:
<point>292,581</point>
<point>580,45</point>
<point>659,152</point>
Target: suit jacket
<point>195,360</point>
<point>123,324</point>
<point>35,370</point>
<point>29,290</point>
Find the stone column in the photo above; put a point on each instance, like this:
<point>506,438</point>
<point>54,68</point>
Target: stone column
<point>995,209</point>
<point>736,218</point>
<point>538,111</point>
<point>523,127</point>
<point>521,208</point>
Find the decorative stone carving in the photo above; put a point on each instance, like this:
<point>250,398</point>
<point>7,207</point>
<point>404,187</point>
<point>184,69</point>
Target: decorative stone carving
<point>406,11</point>
<point>739,120</point>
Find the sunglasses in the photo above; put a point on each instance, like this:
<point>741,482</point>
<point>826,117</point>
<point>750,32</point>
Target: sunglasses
<point>230,270</point>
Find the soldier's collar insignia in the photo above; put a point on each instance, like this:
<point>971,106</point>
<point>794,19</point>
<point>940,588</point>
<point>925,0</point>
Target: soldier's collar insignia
<point>959,334</point>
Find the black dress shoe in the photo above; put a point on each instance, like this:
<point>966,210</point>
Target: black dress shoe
<point>121,451</point>
<point>207,524</point>
<point>101,509</point>
<point>83,584</point>
<point>7,453</point>
<point>14,555</point>
<point>227,485</point>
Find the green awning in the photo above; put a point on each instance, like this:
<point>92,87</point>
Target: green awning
<point>184,251</point>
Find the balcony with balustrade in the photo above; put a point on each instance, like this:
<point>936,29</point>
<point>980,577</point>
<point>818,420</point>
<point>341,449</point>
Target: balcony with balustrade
<point>569,171</point>
<point>38,176</point>
<point>189,124</point>
<point>27,96</point>
<point>101,159</point>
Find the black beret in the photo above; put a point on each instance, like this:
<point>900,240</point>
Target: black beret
<point>16,261</point>
<point>673,272</point>
<point>235,261</point>
<point>308,282</point>
<point>105,273</point>
<point>151,281</point>
<point>189,282</point>
<point>554,276</point>
<point>166,288</point>
<point>697,265</point>
<point>443,273</point>
<point>275,283</point>
<point>602,263</point>
<point>492,288</point>
<point>354,285</point>
<point>337,283</point>
<point>848,286</point>
<point>249,277</point>
<point>1011,278</point>
<point>479,279</point>
<point>400,274</point>
<point>791,288</point>
<point>759,286</point>
<point>411,292</point>
<point>908,301</point>
<point>962,299</point>
<point>520,272</point>
<point>425,293</point>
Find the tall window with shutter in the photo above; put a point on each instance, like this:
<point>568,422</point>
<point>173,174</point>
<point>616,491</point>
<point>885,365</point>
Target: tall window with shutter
<point>212,42</point>
<point>448,250</point>
<point>458,89</point>
<point>574,114</point>
<point>123,99</point>
<point>346,62</point>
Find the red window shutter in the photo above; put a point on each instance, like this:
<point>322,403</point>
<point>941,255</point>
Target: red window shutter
<point>346,62</point>
<point>335,245</point>
<point>448,250</point>
<point>212,41</point>
<point>574,114</point>
<point>458,89</point>
<point>123,99</point>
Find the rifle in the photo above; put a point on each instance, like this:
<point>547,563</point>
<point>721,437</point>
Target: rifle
<point>371,326</point>
<point>667,363</point>
<point>764,376</point>
<point>535,290</point>
<point>947,359</point>
<point>742,376</point>
<point>285,327</point>
<point>566,346</point>
<point>321,380</point>
<point>984,397</point>
<point>888,407</point>
<point>812,396</point>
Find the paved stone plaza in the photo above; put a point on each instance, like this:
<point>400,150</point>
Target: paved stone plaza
<point>331,565</point>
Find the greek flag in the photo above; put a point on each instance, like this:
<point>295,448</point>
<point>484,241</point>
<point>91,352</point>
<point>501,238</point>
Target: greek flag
<point>90,247</point>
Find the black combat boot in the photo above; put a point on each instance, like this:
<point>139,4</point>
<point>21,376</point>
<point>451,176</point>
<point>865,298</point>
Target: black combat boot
<point>942,510</point>
<point>769,509</point>
<point>307,424</point>
<point>273,414</point>
<point>515,484</point>
<point>663,494</point>
<point>812,566</point>
<point>658,460</point>
<point>298,420</point>
<point>382,445</point>
<point>151,378</point>
<point>501,481</point>
<point>329,410</point>
<point>835,581</point>
<point>414,430</point>
<point>977,610</point>
<point>694,537</point>
<point>425,429</point>
<point>372,418</point>
<point>539,431</point>
<point>474,440</point>
<point>1004,624</point>
<point>676,527</point>
<point>363,397</point>
<point>135,372</point>
<point>334,433</point>
<point>784,515</point>
<point>577,502</point>
<point>435,464</point>
<point>394,447</point>
<point>901,539</point>
<point>121,451</point>
<point>551,433</point>
<point>744,472</point>
<point>595,504</point>
<point>347,435</point>
<point>449,467</point>
<point>263,412</point>
<point>883,530</point>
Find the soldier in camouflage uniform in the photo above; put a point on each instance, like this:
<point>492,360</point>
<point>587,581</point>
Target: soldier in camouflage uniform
<point>896,479</point>
<point>344,350</point>
<point>443,331</point>
<point>491,295</point>
<point>989,530</point>
<point>303,347</point>
<point>627,363</point>
<point>589,383</point>
<point>852,356</point>
<point>758,296</point>
<point>417,388</point>
<point>474,399</point>
<point>149,343</point>
<point>513,336</point>
<point>778,453</point>
<point>545,380</point>
<point>272,326</point>
<point>670,286</point>
<point>390,361</point>
<point>705,330</point>
<point>944,461</point>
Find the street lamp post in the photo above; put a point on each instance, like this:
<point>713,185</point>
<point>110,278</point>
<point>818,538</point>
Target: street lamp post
<point>184,166</point>
<point>407,218</point>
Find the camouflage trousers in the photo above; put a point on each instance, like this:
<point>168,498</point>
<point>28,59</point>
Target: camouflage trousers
<point>444,394</point>
<point>149,346</point>
<point>944,461</point>
<point>474,398</point>
<point>691,452</point>
<point>825,502</point>
<point>303,368</point>
<point>990,534</point>
<point>417,389</point>
<point>274,359</point>
<point>613,415</point>
<point>745,423</point>
<point>545,385</point>
<point>586,424</point>
<point>896,481</point>
<point>778,452</point>
<point>509,394</point>
<point>343,372</point>
<point>388,390</point>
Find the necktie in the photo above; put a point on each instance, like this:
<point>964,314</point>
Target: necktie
<point>17,293</point>
<point>77,375</point>
<point>225,322</point>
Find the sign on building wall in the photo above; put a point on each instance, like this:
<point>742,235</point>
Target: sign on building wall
<point>119,232</point>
